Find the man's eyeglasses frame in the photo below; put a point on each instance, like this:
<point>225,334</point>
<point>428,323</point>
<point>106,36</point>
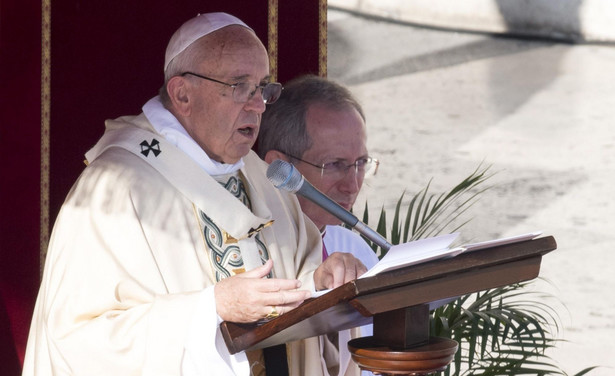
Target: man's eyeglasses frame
<point>270,89</point>
<point>369,161</point>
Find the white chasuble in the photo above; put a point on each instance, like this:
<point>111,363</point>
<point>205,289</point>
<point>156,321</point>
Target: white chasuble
<point>127,266</point>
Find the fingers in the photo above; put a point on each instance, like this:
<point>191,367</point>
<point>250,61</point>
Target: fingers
<point>248,297</point>
<point>360,269</point>
<point>271,284</point>
<point>258,272</point>
<point>275,310</point>
<point>288,298</point>
<point>337,269</point>
<point>339,274</point>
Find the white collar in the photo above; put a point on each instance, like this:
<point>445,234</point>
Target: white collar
<point>169,127</point>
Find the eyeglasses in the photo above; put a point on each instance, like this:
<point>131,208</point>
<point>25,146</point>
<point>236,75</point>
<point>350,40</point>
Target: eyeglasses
<point>244,91</point>
<point>366,166</point>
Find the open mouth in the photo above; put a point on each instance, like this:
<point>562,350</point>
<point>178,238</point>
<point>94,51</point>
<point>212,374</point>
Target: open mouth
<point>247,131</point>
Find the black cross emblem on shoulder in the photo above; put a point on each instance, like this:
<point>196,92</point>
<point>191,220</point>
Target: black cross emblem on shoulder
<point>154,147</point>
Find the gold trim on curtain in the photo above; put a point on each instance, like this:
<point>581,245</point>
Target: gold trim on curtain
<point>45,109</point>
<point>322,39</point>
<point>272,38</point>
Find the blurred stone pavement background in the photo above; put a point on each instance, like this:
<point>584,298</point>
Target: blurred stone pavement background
<point>538,110</point>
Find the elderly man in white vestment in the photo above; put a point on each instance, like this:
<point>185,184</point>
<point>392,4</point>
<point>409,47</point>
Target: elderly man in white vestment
<point>319,126</point>
<point>173,227</point>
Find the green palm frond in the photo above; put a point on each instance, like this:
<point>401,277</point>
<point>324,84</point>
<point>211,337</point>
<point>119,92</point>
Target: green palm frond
<point>501,327</point>
<point>428,214</point>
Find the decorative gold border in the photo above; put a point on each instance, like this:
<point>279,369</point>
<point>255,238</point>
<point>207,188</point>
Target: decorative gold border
<point>272,37</point>
<point>45,110</point>
<point>322,39</point>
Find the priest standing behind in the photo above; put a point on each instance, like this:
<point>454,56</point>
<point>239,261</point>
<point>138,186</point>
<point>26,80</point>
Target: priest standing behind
<point>173,226</point>
<point>319,127</point>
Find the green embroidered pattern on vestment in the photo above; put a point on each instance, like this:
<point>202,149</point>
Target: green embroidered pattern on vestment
<point>226,258</point>
<point>238,189</point>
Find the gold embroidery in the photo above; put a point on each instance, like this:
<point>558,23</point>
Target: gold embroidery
<point>322,38</point>
<point>272,38</point>
<point>228,239</point>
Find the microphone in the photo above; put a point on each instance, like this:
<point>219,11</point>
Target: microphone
<point>285,176</point>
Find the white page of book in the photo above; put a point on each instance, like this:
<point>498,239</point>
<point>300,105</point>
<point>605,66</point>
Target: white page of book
<point>415,252</point>
<point>428,249</point>
<point>501,241</point>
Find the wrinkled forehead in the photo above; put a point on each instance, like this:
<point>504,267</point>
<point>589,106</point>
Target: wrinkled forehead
<point>234,48</point>
<point>232,39</point>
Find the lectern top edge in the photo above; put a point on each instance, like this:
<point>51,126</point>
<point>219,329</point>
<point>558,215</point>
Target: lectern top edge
<point>239,337</point>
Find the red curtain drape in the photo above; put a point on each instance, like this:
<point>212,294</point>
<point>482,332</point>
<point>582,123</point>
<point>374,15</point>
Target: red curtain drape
<point>105,60</point>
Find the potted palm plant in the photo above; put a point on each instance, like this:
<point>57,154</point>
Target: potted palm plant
<point>501,331</point>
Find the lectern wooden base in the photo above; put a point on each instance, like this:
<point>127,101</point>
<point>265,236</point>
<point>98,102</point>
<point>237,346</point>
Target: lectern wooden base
<point>425,359</point>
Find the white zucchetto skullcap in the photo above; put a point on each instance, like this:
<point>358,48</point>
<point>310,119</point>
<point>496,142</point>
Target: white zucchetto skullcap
<point>196,28</point>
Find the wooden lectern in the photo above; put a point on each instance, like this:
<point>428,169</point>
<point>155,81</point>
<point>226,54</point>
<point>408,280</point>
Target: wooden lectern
<point>398,302</point>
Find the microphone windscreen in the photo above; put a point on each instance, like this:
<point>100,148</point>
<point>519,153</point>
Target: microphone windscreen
<point>284,176</point>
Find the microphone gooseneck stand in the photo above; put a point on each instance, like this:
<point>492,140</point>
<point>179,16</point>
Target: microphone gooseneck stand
<point>401,344</point>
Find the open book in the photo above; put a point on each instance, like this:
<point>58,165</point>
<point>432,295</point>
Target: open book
<point>424,250</point>
<point>428,249</point>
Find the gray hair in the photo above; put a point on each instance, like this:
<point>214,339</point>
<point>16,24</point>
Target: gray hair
<point>283,124</point>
